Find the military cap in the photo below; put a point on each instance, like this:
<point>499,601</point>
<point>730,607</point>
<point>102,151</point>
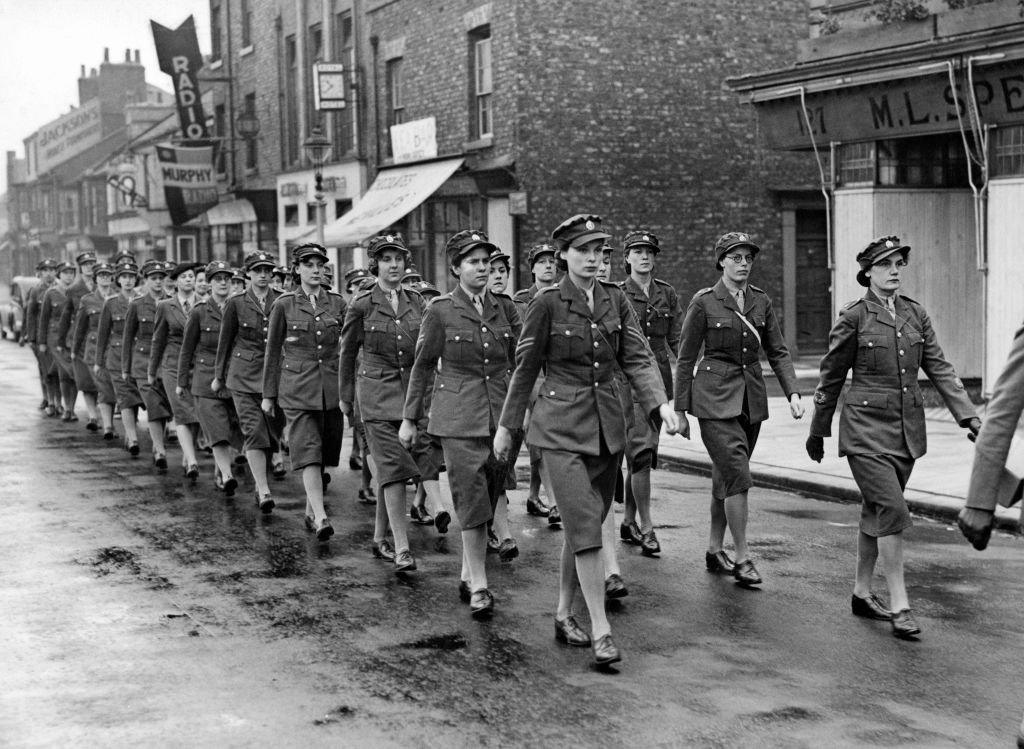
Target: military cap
<point>353,276</point>
<point>607,247</point>
<point>426,290</point>
<point>237,274</point>
<point>184,265</point>
<point>259,259</point>
<point>103,268</point>
<point>126,269</point>
<point>577,231</point>
<point>393,241</point>
<point>497,256</point>
<point>308,250</point>
<point>153,267</point>
<point>640,238</point>
<point>85,257</point>
<point>123,256</point>
<point>280,270</point>
<point>63,266</point>
<point>537,251</point>
<point>463,243</point>
<point>365,283</point>
<point>411,275</point>
<point>730,241</point>
<point>218,266</point>
<point>329,270</point>
<point>879,249</point>
<point>47,263</point>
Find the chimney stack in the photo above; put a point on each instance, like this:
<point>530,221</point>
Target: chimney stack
<point>127,55</point>
<point>137,56</point>
<point>83,72</point>
<point>106,54</point>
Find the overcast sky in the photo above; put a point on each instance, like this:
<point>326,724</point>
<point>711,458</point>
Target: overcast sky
<point>45,42</point>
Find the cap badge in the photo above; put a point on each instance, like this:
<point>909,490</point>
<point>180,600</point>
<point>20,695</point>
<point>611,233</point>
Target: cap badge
<point>589,224</point>
<point>475,237</point>
<point>743,238</point>
<point>889,244</point>
<point>646,238</point>
<point>389,238</point>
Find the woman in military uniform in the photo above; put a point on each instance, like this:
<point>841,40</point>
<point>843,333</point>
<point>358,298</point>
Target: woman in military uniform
<point>657,309</point>
<point>83,284</point>
<point>885,338</point>
<point>381,328</point>
<point>83,346</point>
<point>138,340</point>
<point>45,270</point>
<point>300,375</point>
<point>109,341</point>
<point>168,334</point>
<point>196,360</point>
<point>578,331</point>
<point>472,333</point>
<point>53,344</point>
<point>734,322</point>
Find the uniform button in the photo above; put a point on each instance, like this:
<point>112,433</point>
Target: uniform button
<point>718,324</point>
<point>319,346</point>
<point>318,319</point>
<point>865,403</point>
<point>903,371</point>
<point>595,344</point>
<point>483,330</point>
<point>400,353</point>
<point>568,332</point>
<point>486,361</point>
<point>904,389</point>
<point>870,344</point>
<point>456,337</point>
<point>744,349</point>
<point>648,325</point>
<point>321,361</point>
<point>486,345</point>
<point>597,364</point>
<point>708,368</point>
<point>744,334</point>
<point>318,332</point>
<point>552,392</point>
<point>593,325</point>
<point>901,352</point>
<point>399,337</point>
<point>487,377</point>
<point>899,335</point>
<point>441,386</point>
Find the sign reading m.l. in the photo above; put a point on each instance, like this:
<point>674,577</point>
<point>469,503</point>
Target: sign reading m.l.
<point>179,56</point>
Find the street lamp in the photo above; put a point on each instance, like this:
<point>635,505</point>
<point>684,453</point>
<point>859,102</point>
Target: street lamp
<point>317,146</point>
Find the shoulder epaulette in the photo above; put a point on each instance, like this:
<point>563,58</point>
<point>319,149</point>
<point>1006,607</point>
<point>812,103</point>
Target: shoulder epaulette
<point>446,297</point>
<point>361,294</point>
<point>664,283</point>
<point>610,283</point>
<point>852,304</point>
<point>546,289</point>
<point>332,292</point>
<point>755,288</point>
<point>908,299</point>
<point>704,291</point>
<point>502,295</point>
<point>524,293</point>
<point>287,294</point>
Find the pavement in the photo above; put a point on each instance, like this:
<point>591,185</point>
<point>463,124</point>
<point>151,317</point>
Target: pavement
<point>937,487</point>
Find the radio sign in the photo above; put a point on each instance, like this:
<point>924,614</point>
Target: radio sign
<point>178,53</point>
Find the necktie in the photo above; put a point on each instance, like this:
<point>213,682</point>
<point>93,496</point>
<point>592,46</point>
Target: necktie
<point>890,305</point>
<point>739,299</point>
<point>394,300</point>
<point>312,300</point>
<point>187,306</point>
<point>590,299</point>
<point>478,303</point>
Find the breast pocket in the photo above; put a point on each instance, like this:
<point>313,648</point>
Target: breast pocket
<point>459,345</point>
<point>611,329</point>
<point>657,323</point>
<point>872,351</point>
<point>296,331</point>
<point>375,335</point>
<point>718,332</point>
<point>914,343</point>
<point>568,339</point>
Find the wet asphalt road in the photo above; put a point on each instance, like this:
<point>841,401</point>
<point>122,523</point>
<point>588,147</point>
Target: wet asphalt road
<point>138,610</point>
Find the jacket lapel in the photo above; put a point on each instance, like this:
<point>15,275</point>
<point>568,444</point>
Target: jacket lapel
<point>602,302</point>
<point>464,306</point>
<point>725,297</point>
<point>576,298</point>
<point>878,309</point>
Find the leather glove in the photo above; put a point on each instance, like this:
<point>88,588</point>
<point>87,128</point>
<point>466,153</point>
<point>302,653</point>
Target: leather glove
<point>974,425</point>
<point>976,525</point>
<point>815,448</point>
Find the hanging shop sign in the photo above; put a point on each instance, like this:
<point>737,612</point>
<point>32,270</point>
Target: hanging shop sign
<point>190,183</point>
<point>178,53</point>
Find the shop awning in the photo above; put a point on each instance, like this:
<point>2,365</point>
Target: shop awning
<point>393,194</point>
<point>230,212</point>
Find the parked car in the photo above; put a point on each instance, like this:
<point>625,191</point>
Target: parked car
<point>12,313</point>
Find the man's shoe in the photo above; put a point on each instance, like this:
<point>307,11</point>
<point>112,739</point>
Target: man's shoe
<point>279,471</point>
<point>630,533</point>
<point>870,608</point>
<point>366,497</point>
<point>554,516</point>
<point>355,463</point>
<point>649,545</point>
<point>508,550</point>
<point>614,587</point>
<point>324,530</point>
<point>904,625</point>
<point>605,652</point>
<point>404,561</point>
<point>481,604</point>
<point>265,503</point>
<point>720,563</point>
<point>384,550</point>
<point>442,520</point>
<point>568,631</point>
<point>537,507</point>
<point>746,573</point>
<point>465,594</point>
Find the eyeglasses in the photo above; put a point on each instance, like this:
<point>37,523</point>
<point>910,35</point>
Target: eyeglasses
<point>748,259</point>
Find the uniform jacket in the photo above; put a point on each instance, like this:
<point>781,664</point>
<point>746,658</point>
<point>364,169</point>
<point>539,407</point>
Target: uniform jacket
<point>387,342</point>
<point>731,367</point>
<point>138,336</point>
<point>991,482</point>
<point>199,351</point>
<point>74,295</point>
<point>884,410</point>
<point>33,303</point>
<point>477,356</point>
<point>523,297</point>
<point>661,319</point>
<point>49,316</point>
<point>301,365</point>
<point>86,325</point>
<point>243,341</point>
<point>168,334</point>
<point>581,400</point>
<point>110,333</point>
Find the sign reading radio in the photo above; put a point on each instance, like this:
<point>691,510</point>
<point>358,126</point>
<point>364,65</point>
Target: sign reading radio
<point>178,53</point>
<point>915,106</point>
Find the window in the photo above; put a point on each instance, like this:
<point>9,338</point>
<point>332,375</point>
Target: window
<point>220,130</point>
<point>430,225</point>
<point>344,119</point>
<point>246,24</point>
<point>291,215</point>
<point>481,82</point>
<point>186,247</point>
<point>215,33</point>
<point>251,144</point>
<point>1008,151</point>
<point>341,207</point>
<point>311,213</point>
<point>857,164</point>
<point>396,105</point>
<point>932,161</point>
<point>291,109</point>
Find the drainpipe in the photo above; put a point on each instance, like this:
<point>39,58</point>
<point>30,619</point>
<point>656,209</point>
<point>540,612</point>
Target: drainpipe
<point>374,42</point>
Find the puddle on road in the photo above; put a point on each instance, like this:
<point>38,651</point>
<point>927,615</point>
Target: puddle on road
<point>111,559</point>
<point>447,642</point>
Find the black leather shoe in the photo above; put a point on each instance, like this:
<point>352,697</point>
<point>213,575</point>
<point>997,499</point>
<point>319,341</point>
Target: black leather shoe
<point>649,545</point>
<point>904,625</point>
<point>464,592</point>
<point>537,507</point>
<point>160,463</point>
<point>630,533</point>
<point>366,497</point>
<point>192,473</point>
<point>404,562</point>
<point>614,587</point>
<point>719,562</point>
<point>605,652</point>
<point>481,604</point>
<point>133,449</point>
<point>508,550</point>
<point>265,503</point>
<point>324,530</point>
<point>442,520</point>
<point>108,435</point>
<point>568,631</point>
<point>420,516</point>
<point>230,484</point>
<point>493,544</point>
<point>746,573</point>
<point>554,516</point>
<point>869,608</point>
<point>92,426</point>
<point>355,463</point>
<point>384,550</point>
<point>240,460</point>
<point>279,471</point>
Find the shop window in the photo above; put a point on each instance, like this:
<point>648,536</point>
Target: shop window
<point>430,225</point>
<point>933,161</point>
<point>480,82</point>
<point>857,164</point>
<point>291,215</point>
<point>1008,151</point>
<point>233,239</point>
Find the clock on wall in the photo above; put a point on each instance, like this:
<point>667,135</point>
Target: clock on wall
<point>329,85</point>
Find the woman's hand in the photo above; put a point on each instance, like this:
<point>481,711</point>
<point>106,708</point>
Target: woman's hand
<point>796,407</point>
<point>267,404</point>
<point>407,433</point>
<point>179,391</point>
<point>684,425</point>
<point>669,418</point>
<point>502,443</point>
<point>215,386</point>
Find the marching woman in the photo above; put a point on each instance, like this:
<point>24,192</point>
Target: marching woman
<point>168,334</point>
<point>51,342</point>
<point>109,340</point>
<point>83,347</point>
<point>578,330</point>
<point>381,327</point>
<point>300,376</point>
<point>83,285</point>
<point>471,332</point>
<point>138,340</point>
<point>195,372</point>
<point>734,322</point>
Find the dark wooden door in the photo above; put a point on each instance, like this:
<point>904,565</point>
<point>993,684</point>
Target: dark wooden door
<point>813,283</point>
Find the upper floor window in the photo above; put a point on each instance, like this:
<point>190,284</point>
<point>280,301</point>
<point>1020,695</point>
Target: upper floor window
<point>1008,151</point>
<point>251,145</point>
<point>215,32</point>
<point>481,82</point>
<point>393,82</point>
<point>246,24</point>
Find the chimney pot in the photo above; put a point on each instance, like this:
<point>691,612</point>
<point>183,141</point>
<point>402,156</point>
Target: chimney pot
<point>106,54</point>
<point>83,72</point>
<point>127,55</point>
<point>137,56</point>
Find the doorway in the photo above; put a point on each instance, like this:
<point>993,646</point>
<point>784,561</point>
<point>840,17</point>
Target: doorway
<point>813,282</point>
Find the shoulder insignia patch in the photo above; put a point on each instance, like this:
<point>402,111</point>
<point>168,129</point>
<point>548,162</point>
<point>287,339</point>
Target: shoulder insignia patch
<point>820,397</point>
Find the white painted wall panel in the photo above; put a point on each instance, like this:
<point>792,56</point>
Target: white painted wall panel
<point>1006,272</point>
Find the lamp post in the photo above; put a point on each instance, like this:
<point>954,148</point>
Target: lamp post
<point>317,146</point>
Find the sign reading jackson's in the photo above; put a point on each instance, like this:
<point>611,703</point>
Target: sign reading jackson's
<point>68,136</point>
<point>914,106</point>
